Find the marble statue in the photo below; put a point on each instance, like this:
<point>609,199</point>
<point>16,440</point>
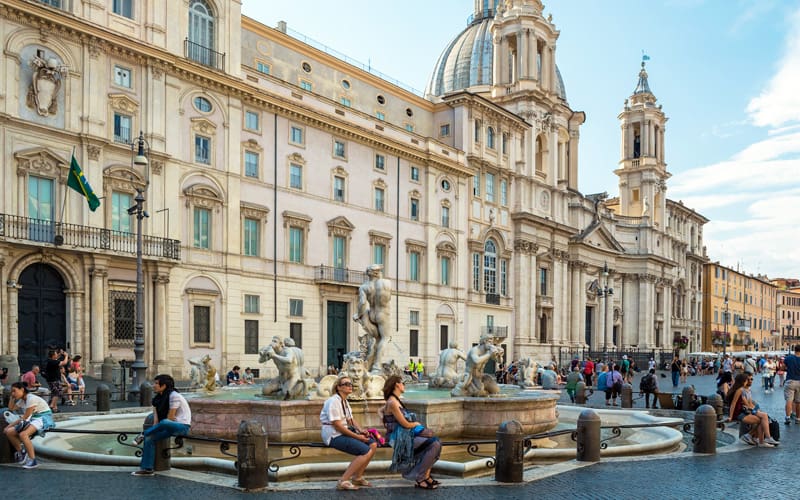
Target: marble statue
<point>365,384</point>
<point>293,381</point>
<point>203,373</point>
<point>373,314</point>
<point>645,207</point>
<point>527,370</point>
<point>446,375</point>
<point>46,81</point>
<point>474,382</point>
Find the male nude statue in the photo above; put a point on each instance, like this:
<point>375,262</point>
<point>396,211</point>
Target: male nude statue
<point>374,297</point>
<point>289,384</point>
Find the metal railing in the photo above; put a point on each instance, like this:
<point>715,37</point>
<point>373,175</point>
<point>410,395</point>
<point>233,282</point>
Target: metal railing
<point>339,275</point>
<point>14,227</point>
<point>203,55</point>
<point>495,331</point>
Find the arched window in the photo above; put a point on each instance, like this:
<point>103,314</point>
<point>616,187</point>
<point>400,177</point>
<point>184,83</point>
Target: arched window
<point>490,137</point>
<point>201,33</point>
<point>490,267</point>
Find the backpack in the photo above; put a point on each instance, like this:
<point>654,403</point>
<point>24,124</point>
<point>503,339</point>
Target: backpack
<point>648,383</point>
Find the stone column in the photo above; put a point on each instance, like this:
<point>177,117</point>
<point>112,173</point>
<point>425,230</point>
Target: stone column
<point>13,319</point>
<point>645,138</point>
<point>666,338</point>
<point>645,313</point>
<point>75,320</point>
<point>601,321</point>
<point>497,54</point>
<point>504,60</point>
<point>561,331</point>
<point>160,358</point>
<point>609,316</point>
<point>98,339</point>
<point>522,54</point>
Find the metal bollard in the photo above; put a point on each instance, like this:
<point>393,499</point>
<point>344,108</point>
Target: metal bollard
<point>626,396</point>
<point>145,394</point>
<point>687,398</point>
<point>103,398</point>
<point>715,400</point>
<point>252,460</point>
<point>6,450</point>
<point>588,436</point>
<point>705,430</point>
<point>580,393</point>
<point>162,461</point>
<point>509,452</point>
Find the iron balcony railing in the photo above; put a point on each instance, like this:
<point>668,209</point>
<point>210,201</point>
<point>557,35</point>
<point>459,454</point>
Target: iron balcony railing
<point>500,332</point>
<point>339,275</point>
<point>203,55</point>
<point>14,227</point>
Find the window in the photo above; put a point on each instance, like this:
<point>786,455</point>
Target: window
<point>490,137</point>
<point>251,164</point>
<point>251,120</point>
<point>445,185</point>
<point>413,347</point>
<point>120,219</point>
<point>381,100</point>
<point>252,304</point>
<point>296,237</point>
<point>413,266</point>
<point>504,192</point>
<point>338,188</point>
<point>122,311</point>
<point>490,267</point>
<point>251,336</point>
<point>490,188</point>
<point>296,334</point>
<point>123,8</point>
<point>41,203</point>
<point>251,237</point>
<point>202,228</point>
<point>446,216</point>
<point>476,185</point>
<point>380,162</point>
<point>345,102</point>
<point>201,33</point>
<point>306,67</point>
<point>504,277</point>
<point>444,130</point>
<point>296,176</point>
<point>379,254</point>
<point>296,135</point>
<point>409,127</point>
<point>306,85</point>
<point>346,84</point>
<point>379,198</point>
<point>415,174</point>
<point>476,272</point>
<point>202,149</point>
<point>339,149</point>
<point>202,104</point>
<point>414,209</point>
<point>413,318</point>
<point>262,67</point>
<point>122,77</point>
<point>296,308</point>
<point>543,281</point>
<point>380,115</point>
<point>339,252</point>
<point>409,112</point>
<point>444,267</point>
<point>202,325</point>
<point>122,128</point>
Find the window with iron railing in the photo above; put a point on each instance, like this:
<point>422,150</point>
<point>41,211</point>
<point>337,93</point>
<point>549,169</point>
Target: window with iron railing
<point>122,311</point>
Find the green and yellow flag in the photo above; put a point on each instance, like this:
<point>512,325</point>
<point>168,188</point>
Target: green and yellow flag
<point>79,183</point>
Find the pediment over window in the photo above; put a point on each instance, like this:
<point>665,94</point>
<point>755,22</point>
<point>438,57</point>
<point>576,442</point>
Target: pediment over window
<point>122,102</point>
<point>446,249</point>
<point>253,211</point>
<point>42,162</point>
<point>203,125</point>
<point>340,171</point>
<point>295,219</point>
<point>340,226</point>
<point>120,178</point>
<point>380,184</point>
<point>202,196</point>
<point>297,158</point>
<point>379,238</point>
<point>415,246</point>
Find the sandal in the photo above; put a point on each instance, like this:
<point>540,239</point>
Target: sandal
<point>434,481</point>
<point>360,481</point>
<point>426,484</point>
<point>346,485</point>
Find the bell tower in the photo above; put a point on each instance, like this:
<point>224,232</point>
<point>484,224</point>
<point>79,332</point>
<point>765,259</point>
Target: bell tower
<point>642,170</point>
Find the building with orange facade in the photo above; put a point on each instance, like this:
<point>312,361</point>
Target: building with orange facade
<point>788,311</point>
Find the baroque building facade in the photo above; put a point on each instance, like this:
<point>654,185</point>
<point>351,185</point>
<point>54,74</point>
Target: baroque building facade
<point>278,173</point>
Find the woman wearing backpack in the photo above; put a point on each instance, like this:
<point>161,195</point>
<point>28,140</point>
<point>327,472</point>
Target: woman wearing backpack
<point>648,386</point>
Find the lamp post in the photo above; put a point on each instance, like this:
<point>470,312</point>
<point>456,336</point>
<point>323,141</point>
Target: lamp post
<point>603,292</point>
<point>725,332</point>
<point>139,160</point>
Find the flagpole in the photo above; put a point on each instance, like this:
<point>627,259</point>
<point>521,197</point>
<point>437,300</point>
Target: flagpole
<point>64,202</point>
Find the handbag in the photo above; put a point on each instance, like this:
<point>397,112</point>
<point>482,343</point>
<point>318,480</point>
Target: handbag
<point>21,426</point>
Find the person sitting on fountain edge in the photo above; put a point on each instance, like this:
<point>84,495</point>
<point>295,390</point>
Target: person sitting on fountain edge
<point>233,377</point>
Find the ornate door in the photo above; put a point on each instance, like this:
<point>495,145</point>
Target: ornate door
<point>42,315</point>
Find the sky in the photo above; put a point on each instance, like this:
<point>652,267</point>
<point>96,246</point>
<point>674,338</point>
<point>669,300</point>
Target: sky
<point>727,73</point>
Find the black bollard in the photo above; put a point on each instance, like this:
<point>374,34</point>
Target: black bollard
<point>580,393</point>
<point>626,396</point>
<point>162,461</point>
<point>687,398</point>
<point>705,430</point>
<point>588,437</point>
<point>103,398</point>
<point>145,394</point>
<point>509,452</point>
<point>6,450</point>
<point>252,460</point>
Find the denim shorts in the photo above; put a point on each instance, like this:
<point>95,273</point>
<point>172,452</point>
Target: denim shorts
<point>351,446</point>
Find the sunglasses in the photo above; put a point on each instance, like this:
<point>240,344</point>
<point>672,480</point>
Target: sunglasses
<point>346,384</point>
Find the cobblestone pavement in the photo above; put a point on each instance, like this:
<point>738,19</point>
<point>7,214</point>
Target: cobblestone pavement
<point>765,473</point>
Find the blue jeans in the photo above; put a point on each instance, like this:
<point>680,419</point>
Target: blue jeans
<point>161,430</point>
<point>676,377</point>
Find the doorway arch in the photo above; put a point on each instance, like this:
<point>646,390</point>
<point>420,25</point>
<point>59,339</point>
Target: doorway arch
<point>42,313</point>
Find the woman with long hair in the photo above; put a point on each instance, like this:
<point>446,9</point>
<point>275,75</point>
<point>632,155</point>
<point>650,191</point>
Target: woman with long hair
<point>746,411</point>
<point>37,417</point>
<point>416,449</point>
<point>340,431</point>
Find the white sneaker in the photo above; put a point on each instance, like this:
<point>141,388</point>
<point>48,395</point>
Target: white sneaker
<point>764,444</point>
<point>748,439</point>
<point>771,441</point>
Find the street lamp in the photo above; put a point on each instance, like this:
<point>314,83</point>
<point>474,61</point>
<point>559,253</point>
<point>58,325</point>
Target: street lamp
<point>725,333</point>
<point>604,292</point>
<point>140,165</point>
